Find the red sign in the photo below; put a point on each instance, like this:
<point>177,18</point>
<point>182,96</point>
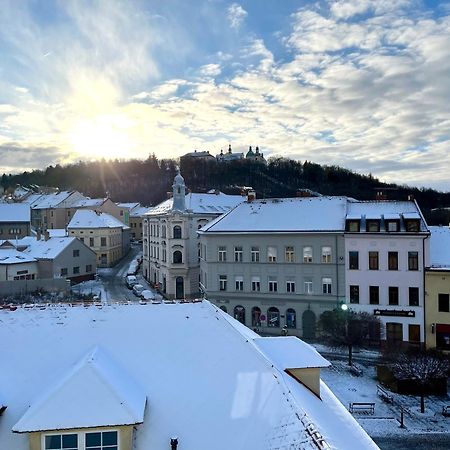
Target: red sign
<point>262,317</point>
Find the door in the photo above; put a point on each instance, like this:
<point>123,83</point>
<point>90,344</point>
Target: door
<point>179,287</point>
<point>309,324</point>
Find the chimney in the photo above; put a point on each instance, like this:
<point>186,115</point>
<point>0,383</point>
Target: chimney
<point>411,197</point>
<point>38,234</point>
<point>229,148</point>
<point>173,443</point>
<point>46,235</point>
<point>251,195</point>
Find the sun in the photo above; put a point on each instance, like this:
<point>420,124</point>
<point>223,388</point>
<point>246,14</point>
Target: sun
<point>104,136</point>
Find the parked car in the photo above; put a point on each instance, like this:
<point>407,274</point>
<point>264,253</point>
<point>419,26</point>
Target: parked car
<point>147,295</point>
<point>137,289</point>
<point>131,280</point>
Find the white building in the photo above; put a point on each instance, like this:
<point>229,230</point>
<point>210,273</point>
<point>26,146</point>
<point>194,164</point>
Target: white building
<point>70,380</point>
<point>386,252</point>
<point>170,240</point>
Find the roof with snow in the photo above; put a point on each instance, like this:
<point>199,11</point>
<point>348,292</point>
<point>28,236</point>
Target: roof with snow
<point>440,247</point>
<point>100,393</point>
<point>129,205</point>
<point>88,202</point>
<point>13,256</point>
<point>207,381</point>
<point>210,203</point>
<point>290,353</point>
<point>283,215</point>
<point>139,211</point>
<point>86,218</point>
<point>56,200</point>
<point>14,212</point>
<point>45,249</point>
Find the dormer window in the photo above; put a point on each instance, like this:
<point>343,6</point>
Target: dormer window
<point>353,225</point>
<point>412,226</point>
<point>392,226</point>
<point>372,226</point>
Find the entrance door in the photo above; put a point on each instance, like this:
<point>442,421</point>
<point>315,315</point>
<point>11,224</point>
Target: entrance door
<point>179,287</point>
<point>309,324</point>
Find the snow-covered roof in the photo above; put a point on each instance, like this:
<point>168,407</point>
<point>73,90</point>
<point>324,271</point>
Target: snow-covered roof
<point>45,201</point>
<point>139,211</point>
<point>14,212</point>
<point>86,218</point>
<point>209,203</point>
<point>129,205</point>
<point>206,381</point>
<point>13,256</point>
<point>32,199</point>
<point>45,249</point>
<point>283,215</point>
<point>440,247</point>
<point>290,353</point>
<point>57,232</point>
<point>96,392</point>
<point>88,203</point>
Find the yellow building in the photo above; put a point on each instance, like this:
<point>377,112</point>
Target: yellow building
<point>437,287</point>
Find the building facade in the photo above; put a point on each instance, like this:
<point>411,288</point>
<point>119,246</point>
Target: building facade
<point>170,241</point>
<point>15,220</point>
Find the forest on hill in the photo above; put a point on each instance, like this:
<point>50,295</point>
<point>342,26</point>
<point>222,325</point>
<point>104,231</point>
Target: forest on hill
<point>148,181</point>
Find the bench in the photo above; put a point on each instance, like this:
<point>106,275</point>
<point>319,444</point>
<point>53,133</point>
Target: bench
<point>384,394</point>
<point>362,407</point>
<point>446,411</point>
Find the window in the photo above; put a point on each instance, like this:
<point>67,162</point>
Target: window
<point>102,440</point>
<point>412,226</point>
<point>103,242</point>
<point>373,226</point>
<point>273,284</point>
<point>222,282</point>
<point>392,226</point>
<point>353,225</point>
<point>373,260</point>
<point>61,441</point>
<point>64,271</point>
<point>256,284</point>
<point>393,295</point>
<point>374,295</point>
<point>394,332</point>
<point>89,268</point>
<point>239,283</point>
<point>393,260</point>
<point>76,270</point>
<point>289,255</point>
<point>414,333</point>
<point>443,303</point>
<point>237,254</point>
<point>326,254</point>
<point>353,258</point>
<point>290,286</point>
<point>273,317</point>
<point>177,232</point>
<point>308,286</point>
<point>271,254</point>
<point>413,296</point>
<point>307,254</point>
<point>291,318</point>
<point>222,254</point>
<point>121,212</point>
<point>354,294</point>
<point>91,242</point>
<point>255,254</point>
<point>163,231</point>
<point>177,257</point>
<point>326,285</point>
<point>76,253</point>
<point>81,239</point>
<point>239,314</point>
<point>256,317</point>
<point>413,260</point>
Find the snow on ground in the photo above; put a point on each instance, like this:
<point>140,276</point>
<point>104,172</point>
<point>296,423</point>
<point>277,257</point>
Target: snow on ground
<point>349,388</point>
<point>91,288</point>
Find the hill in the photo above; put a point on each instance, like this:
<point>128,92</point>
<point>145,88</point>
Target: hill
<point>148,181</point>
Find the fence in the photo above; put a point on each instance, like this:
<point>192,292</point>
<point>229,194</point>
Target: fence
<point>24,287</point>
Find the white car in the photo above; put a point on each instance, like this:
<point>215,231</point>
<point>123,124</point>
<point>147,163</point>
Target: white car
<point>131,280</point>
<point>137,289</point>
<point>147,295</point>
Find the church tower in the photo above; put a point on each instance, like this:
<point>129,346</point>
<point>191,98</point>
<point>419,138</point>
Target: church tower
<point>179,193</point>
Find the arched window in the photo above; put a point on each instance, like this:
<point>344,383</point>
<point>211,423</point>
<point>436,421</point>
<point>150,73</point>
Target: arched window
<point>256,317</point>
<point>177,257</point>
<point>273,317</point>
<point>177,232</point>
<point>223,308</point>
<point>239,314</point>
<point>291,318</point>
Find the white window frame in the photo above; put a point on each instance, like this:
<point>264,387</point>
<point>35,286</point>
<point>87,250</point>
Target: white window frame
<point>290,286</point>
<point>272,253</point>
<point>221,253</point>
<point>307,254</point>
<point>238,252</point>
<point>256,284</point>
<point>326,254</point>
<point>254,254</point>
<point>308,287</point>
<point>289,254</point>
<point>327,283</point>
<point>223,279</point>
<point>81,436</point>
<point>239,283</point>
<point>272,284</point>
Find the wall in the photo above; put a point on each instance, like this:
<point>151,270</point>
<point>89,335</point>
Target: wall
<point>27,286</point>
<point>9,271</point>
<point>6,227</point>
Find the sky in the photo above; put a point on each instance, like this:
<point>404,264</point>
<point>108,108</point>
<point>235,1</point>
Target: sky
<point>362,84</point>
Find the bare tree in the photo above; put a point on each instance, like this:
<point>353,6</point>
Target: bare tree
<point>423,367</point>
<point>346,328</point>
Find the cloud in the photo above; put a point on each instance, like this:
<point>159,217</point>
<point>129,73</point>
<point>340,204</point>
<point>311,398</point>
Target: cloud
<point>236,15</point>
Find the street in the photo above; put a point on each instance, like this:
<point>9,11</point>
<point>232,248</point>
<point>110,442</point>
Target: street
<point>426,442</point>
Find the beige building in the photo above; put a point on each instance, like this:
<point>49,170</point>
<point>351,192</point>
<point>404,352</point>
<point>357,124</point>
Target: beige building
<point>15,265</point>
<point>136,221</point>
<point>437,287</point>
<point>101,232</point>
